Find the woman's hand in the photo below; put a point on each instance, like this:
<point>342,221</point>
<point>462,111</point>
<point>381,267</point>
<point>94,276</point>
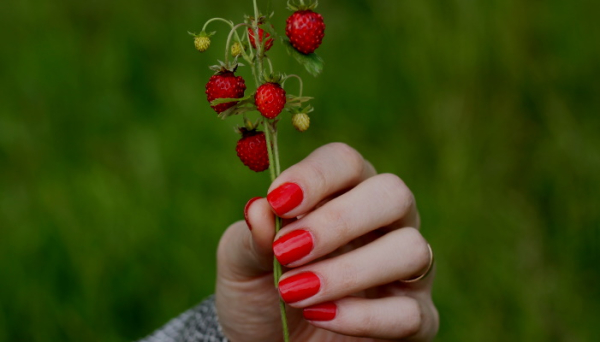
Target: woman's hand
<point>351,237</point>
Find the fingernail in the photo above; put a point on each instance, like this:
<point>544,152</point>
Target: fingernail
<point>320,312</point>
<point>293,246</point>
<point>285,198</point>
<point>299,287</point>
<point>246,210</point>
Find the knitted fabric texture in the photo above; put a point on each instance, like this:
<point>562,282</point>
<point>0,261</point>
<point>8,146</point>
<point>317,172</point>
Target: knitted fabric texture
<point>199,324</point>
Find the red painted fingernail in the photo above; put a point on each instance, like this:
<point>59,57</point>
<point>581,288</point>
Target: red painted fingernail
<point>320,312</point>
<point>293,246</point>
<point>246,210</point>
<point>285,198</point>
<point>299,287</point>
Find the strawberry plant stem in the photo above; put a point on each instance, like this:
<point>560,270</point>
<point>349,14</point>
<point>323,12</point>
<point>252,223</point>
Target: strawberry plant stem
<point>215,19</point>
<point>258,42</point>
<point>274,169</point>
<point>273,151</point>
<point>233,30</point>
<point>270,64</point>
<point>299,80</point>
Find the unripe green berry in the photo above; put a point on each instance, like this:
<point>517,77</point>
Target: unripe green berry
<point>201,42</point>
<point>236,49</point>
<point>301,121</point>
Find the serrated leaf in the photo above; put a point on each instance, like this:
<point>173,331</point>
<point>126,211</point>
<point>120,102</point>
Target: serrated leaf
<point>311,62</point>
<point>229,99</point>
<point>296,99</point>
<point>295,102</point>
<point>236,110</point>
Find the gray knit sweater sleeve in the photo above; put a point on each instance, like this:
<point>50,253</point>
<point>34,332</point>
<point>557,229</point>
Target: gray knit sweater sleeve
<point>199,324</point>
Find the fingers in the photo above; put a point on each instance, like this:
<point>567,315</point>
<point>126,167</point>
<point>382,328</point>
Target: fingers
<point>245,249</point>
<point>400,254</point>
<point>326,171</point>
<point>377,202</point>
<point>403,317</point>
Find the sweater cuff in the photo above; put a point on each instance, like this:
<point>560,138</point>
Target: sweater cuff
<point>199,324</point>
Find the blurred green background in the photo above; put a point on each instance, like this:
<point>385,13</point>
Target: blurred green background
<point>117,179</point>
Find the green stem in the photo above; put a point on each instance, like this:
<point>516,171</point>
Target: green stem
<point>269,138</point>
<point>299,80</point>
<point>228,22</point>
<point>273,151</point>
<point>286,333</point>
<point>233,30</point>
<point>276,150</point>
<point>275,171</point>
<point>257,43</point>
<point>255,10</point>
<point>270,64</point>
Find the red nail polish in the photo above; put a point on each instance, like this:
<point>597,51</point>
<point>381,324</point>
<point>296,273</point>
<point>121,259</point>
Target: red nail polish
<point>246,210</point>
<point>293,246</point>
<point>320,312</point>
<point>299,287</point>
<point>285,198</point>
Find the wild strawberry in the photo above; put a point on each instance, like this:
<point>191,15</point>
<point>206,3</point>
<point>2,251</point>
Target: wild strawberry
<point>202,40</point>
<point>201,43</point>
<point>252,150</point>
<point>305,29</point>
<point>224,85</point>
<point>236,49</point>
<point>261,33</point>
<point>270,99</point>
<point>301,121</point>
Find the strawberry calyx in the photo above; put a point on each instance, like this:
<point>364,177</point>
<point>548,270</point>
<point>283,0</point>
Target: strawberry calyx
<point>247,131</point>
<point>250,19</point>
<point>223,67</point>
<point>274,78</point>
<point>248,126</point>
<point>202,34</point>
<point>301,5</point>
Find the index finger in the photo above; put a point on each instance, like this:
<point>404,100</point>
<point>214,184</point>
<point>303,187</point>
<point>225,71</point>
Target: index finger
<point>326,171</point>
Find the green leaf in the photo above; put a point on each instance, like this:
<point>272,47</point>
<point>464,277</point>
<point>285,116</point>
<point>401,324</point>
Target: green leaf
<point>311,62</point>
<point>229,99</point>
<point>236,110</point>
<point>245,104</point>
<point>295,101</point>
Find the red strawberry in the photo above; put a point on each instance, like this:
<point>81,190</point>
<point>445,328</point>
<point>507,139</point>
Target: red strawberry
<point>224,85</point>
<point>305,29</point>
<point>270,99</point>
<point>252,150</point>
<point>261,33</point>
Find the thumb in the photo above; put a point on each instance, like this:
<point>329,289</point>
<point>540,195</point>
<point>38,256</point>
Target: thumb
<point>245,250</point>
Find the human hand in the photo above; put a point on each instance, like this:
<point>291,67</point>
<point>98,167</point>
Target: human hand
<point>351,238</point>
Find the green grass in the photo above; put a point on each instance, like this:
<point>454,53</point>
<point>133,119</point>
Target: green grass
<point>117,179</point>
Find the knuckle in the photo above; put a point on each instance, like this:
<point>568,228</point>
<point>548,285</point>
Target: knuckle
<point>338,222</point>
<point>350,281</point>
<point>226,241</point>
<point>396,191</point>
<point>435,321</point>
<point>413,318</point>
<point>368,323</point>
<point>353,160</point>
<point>318,175</point>
<point>420,248</point>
